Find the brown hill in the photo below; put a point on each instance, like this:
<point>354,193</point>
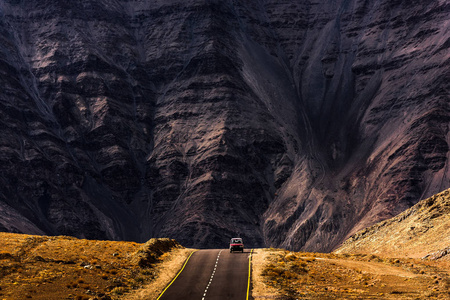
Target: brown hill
<point>42,267</point>
<point>421,231</point>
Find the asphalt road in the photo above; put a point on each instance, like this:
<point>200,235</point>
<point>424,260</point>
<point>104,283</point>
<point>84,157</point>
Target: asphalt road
<point>212,275</point>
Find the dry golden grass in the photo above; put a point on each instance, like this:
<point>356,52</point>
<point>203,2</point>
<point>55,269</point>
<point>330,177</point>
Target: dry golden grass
<point>41,267</point>
<point>173,262</point>
<point>289,275</point>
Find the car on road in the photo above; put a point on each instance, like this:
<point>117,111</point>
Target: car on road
<point>236,244</point>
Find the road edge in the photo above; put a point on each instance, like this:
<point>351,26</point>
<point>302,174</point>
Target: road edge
<point>249,273</point>
<point>185,263</point>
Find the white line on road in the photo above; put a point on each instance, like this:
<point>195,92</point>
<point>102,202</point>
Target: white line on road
<point>212,275</point>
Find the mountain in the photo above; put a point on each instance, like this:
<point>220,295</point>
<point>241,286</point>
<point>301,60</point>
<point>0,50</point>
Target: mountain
<point>421,231</point>
<point>289,123</point>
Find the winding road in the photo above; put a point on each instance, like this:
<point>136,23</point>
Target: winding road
<point>212,275</point>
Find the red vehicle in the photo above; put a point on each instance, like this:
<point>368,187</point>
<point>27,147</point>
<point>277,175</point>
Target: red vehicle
<point>236,244</point>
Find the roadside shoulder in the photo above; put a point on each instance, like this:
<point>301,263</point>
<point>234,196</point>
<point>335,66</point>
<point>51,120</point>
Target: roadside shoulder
<point>165,271</point>
<point>260,290</point>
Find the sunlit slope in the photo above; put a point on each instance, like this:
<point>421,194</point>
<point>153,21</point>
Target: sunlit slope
<point>417,232</point>
<point>61,267</point>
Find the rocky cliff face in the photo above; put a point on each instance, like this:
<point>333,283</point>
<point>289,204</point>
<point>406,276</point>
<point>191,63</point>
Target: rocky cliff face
<point>289,123</point>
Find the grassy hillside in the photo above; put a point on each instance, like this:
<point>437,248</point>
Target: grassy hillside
<point>42,267</point>
<point>421,231</point>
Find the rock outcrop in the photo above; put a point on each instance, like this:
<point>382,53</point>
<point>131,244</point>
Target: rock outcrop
<point>289,123</point>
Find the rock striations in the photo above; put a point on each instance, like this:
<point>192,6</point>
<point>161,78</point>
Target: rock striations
<point>290,123</point>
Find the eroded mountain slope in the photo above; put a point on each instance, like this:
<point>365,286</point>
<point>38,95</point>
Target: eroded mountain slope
<point>420,231</point>
<point>289,123</point>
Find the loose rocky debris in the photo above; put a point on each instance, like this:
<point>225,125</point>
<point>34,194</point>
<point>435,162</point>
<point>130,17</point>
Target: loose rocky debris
<point>438,254</point>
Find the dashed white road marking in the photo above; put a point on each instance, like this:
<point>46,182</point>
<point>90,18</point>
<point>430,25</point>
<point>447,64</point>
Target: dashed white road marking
<point>212,275</point>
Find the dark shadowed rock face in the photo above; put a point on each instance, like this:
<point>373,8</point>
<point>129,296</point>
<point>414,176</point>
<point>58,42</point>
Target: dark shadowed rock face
<point>288,123</point>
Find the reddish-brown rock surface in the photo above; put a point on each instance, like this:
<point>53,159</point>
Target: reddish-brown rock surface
<point>289,123</point>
